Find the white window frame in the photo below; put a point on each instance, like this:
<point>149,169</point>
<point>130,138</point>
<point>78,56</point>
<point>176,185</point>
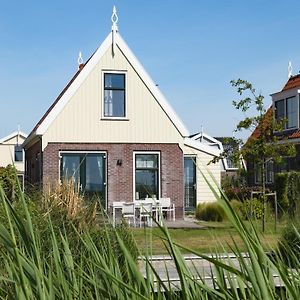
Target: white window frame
<point>284,99</point>
<point>87,152</point>
<point>14,155</point>
<point>103,117</point>
<point>297,112</point>
<point>159,170</point>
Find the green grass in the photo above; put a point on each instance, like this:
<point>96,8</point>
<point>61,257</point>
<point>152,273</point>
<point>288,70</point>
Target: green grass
<point>206,239</point>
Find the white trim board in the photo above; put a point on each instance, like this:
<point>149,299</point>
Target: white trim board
<point>90,66</point>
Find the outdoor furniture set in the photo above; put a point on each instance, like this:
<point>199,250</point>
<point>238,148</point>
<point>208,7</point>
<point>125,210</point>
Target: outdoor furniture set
<point>144,211</point>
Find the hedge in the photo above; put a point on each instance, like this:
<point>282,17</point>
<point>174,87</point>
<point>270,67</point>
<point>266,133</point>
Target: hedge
<point>287,186</point>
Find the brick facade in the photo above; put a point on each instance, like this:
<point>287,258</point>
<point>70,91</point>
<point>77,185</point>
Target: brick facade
<point>120,178</point>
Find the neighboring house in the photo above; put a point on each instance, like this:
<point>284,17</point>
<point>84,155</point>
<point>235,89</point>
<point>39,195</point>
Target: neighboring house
<point>11,152</point>
<point>227,165</point>
<point>285,105</point>
<point>114,132</point>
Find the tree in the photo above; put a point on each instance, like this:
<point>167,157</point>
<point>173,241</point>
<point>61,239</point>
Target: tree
<point>263,145</point>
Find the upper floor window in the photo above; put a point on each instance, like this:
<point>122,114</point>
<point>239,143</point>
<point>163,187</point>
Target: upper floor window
<point>291,112</point>
<point>287,109</point>
<point>279,110</point>
<point>18,153</point>
<point>114,95</point>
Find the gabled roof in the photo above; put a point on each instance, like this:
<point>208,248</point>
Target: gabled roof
<point>293,82</point>
<point>12,135</point>
<point>267,119</point>
<point>80,76</point>
<point>212,140</point>
<point>202,147</point>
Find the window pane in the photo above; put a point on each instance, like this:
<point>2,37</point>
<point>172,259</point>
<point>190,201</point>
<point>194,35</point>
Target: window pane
<point>71,168</point>
<point>114,103</point>
<point>270,172</point>
<point>18,153</point>
<point>94,173</point>
<point>279,110</point>
<point>114,81</point>
<point>146,160</point>
<point>291,110</point>
<point>146,183</point>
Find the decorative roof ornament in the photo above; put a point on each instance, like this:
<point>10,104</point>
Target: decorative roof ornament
<point>290,69</point>
<point>80,60</point>
<point>114,28</point>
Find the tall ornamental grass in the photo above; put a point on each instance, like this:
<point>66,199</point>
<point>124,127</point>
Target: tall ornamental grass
<point>101,272</point>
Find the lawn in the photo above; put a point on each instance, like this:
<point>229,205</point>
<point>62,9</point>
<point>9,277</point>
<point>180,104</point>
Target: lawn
<point>212,237</point>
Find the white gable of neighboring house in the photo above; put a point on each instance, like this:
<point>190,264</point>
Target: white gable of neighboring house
<point>7,150</point>
<point>210,141</point>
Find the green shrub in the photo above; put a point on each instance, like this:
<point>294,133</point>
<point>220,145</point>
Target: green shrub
<point>210,212</point>
<point>281,187</point>
<point>9,181</point>
<point>293,194</point>
<point>253,208</point>
<point>241,193</point>
<point>237,206</point>
<point>289,244</point>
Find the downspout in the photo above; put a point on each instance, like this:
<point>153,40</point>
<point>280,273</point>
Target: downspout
<point>41,163</point>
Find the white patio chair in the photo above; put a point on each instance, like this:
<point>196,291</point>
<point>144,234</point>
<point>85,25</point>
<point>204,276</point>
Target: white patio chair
<point>146,212</point>
<point>128,212</point>
<point>117,205</point>
<point>168,207</point>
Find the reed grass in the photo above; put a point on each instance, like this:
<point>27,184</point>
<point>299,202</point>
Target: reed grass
<point>106,267</point>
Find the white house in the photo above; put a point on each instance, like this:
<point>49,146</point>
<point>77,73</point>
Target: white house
<point>11,152</point>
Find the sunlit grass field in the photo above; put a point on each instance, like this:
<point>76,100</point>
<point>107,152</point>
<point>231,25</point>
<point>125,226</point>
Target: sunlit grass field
<point>207,239</point>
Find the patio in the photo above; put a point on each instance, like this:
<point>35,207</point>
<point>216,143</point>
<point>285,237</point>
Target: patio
<point>143,212</point>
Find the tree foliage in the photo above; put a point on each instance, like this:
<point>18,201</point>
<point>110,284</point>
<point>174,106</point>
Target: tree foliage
<point>263,145</point>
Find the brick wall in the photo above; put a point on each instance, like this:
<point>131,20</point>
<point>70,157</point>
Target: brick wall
<point>120,178</point>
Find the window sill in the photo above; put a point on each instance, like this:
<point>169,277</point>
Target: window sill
<point>114,119</point>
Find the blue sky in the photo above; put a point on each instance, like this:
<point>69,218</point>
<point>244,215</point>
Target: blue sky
<point>191,49</point>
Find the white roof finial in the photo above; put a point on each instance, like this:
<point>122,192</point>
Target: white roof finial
<point>290,69</point>
<point>114,28</point>
<point>114,19</point>
<point>80,59</point>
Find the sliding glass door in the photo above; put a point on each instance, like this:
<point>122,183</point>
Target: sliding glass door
<point>88,172</point>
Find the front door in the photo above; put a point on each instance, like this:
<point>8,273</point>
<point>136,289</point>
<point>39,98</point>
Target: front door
<point>190,183</point>
<point>88,172</point>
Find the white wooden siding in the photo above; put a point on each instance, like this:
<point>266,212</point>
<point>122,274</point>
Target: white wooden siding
<point>7,154</point>
<point>204,193</point>
<point>80,120</point>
